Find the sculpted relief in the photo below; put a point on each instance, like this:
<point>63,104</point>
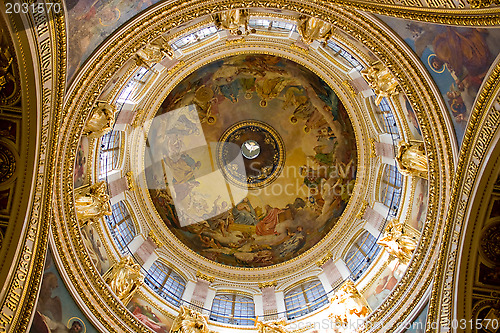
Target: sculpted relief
<point>397,243</point>
<point>311,29</point>
<point>411,159</point>
<point>381,80</point>
<point>124,278</point>
<point>232,20</point>
<point>101,120</point>
<point>190,321</point>
<point>92,202</point>
<point>348,305</point>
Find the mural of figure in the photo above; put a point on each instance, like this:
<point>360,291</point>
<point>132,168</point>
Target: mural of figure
<point>124,278</point>
<point>397,243</point>
<point>269,88</point>
<point>465,52</point>
<point>457,104</point>
<point>411,159</point>
<point>268,223</point>
<point>293,243</point>
<point>311,28</point>
<point>45,324</point>
<point>154,325</point>
<point>46,302</point>
<point>101,120</point>
<point>232,20</point>
<point>244,213</point>
<point>92,202</point>
<point>189,321</point>
<point>348,305</point>
<point>381,81</point>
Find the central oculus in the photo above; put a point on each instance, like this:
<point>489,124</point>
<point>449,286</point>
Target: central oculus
<point>250,149</point>
<point>263,153</point>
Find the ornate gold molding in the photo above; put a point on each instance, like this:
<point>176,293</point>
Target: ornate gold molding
<point>268,284</point>
<point>154,238</point>
<point>323,260</point>
<point>205,277</point>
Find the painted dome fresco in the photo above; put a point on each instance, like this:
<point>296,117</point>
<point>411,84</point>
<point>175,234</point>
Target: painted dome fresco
<point>250,160</point>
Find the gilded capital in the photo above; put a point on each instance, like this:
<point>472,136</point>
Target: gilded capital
<point>205,277</point>
<point>323,260</point>
<point>268,284</point>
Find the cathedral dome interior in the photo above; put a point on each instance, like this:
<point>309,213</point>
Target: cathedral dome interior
<point>289,166</point>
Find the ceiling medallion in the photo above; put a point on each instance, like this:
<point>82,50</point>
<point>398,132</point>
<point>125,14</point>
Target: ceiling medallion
<point>7,164</point>
<point>251,154</point>
<point>228,190</point>
<point>490,246</point>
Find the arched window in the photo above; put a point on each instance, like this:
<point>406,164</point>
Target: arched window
<point>233,309</point>
<point>166,282</point>
<point>304,299</point>
<point>386,117</point>
<point>121,226</point>
<point>390,193</point>
<point>109,155</point>
<point>361,254</point>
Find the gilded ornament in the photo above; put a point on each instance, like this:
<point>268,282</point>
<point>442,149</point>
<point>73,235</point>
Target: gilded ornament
<point>482,3</point>
<point>381,80</point>
<point>268,284</point>
<point>101,120</point>
<point>130,180</point>
<point>154,238</point>
<point>92,203</point>
<point>323,260</point>
<point>347,305</point>
<point>124,278</point>
<point>233,20</point>
<point>176,67</point>
<point>349,87</point>
<point>411,159</point>
<point>271,327</point>
<point>154,52</point>
<point>362,211</point>
<point>311,29</point>
<point>397,243</point>
<point>189,321</point>
<point>234,41</point>
<point>205,277</point>
<point>9,77</point>
<point>490,244</point>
